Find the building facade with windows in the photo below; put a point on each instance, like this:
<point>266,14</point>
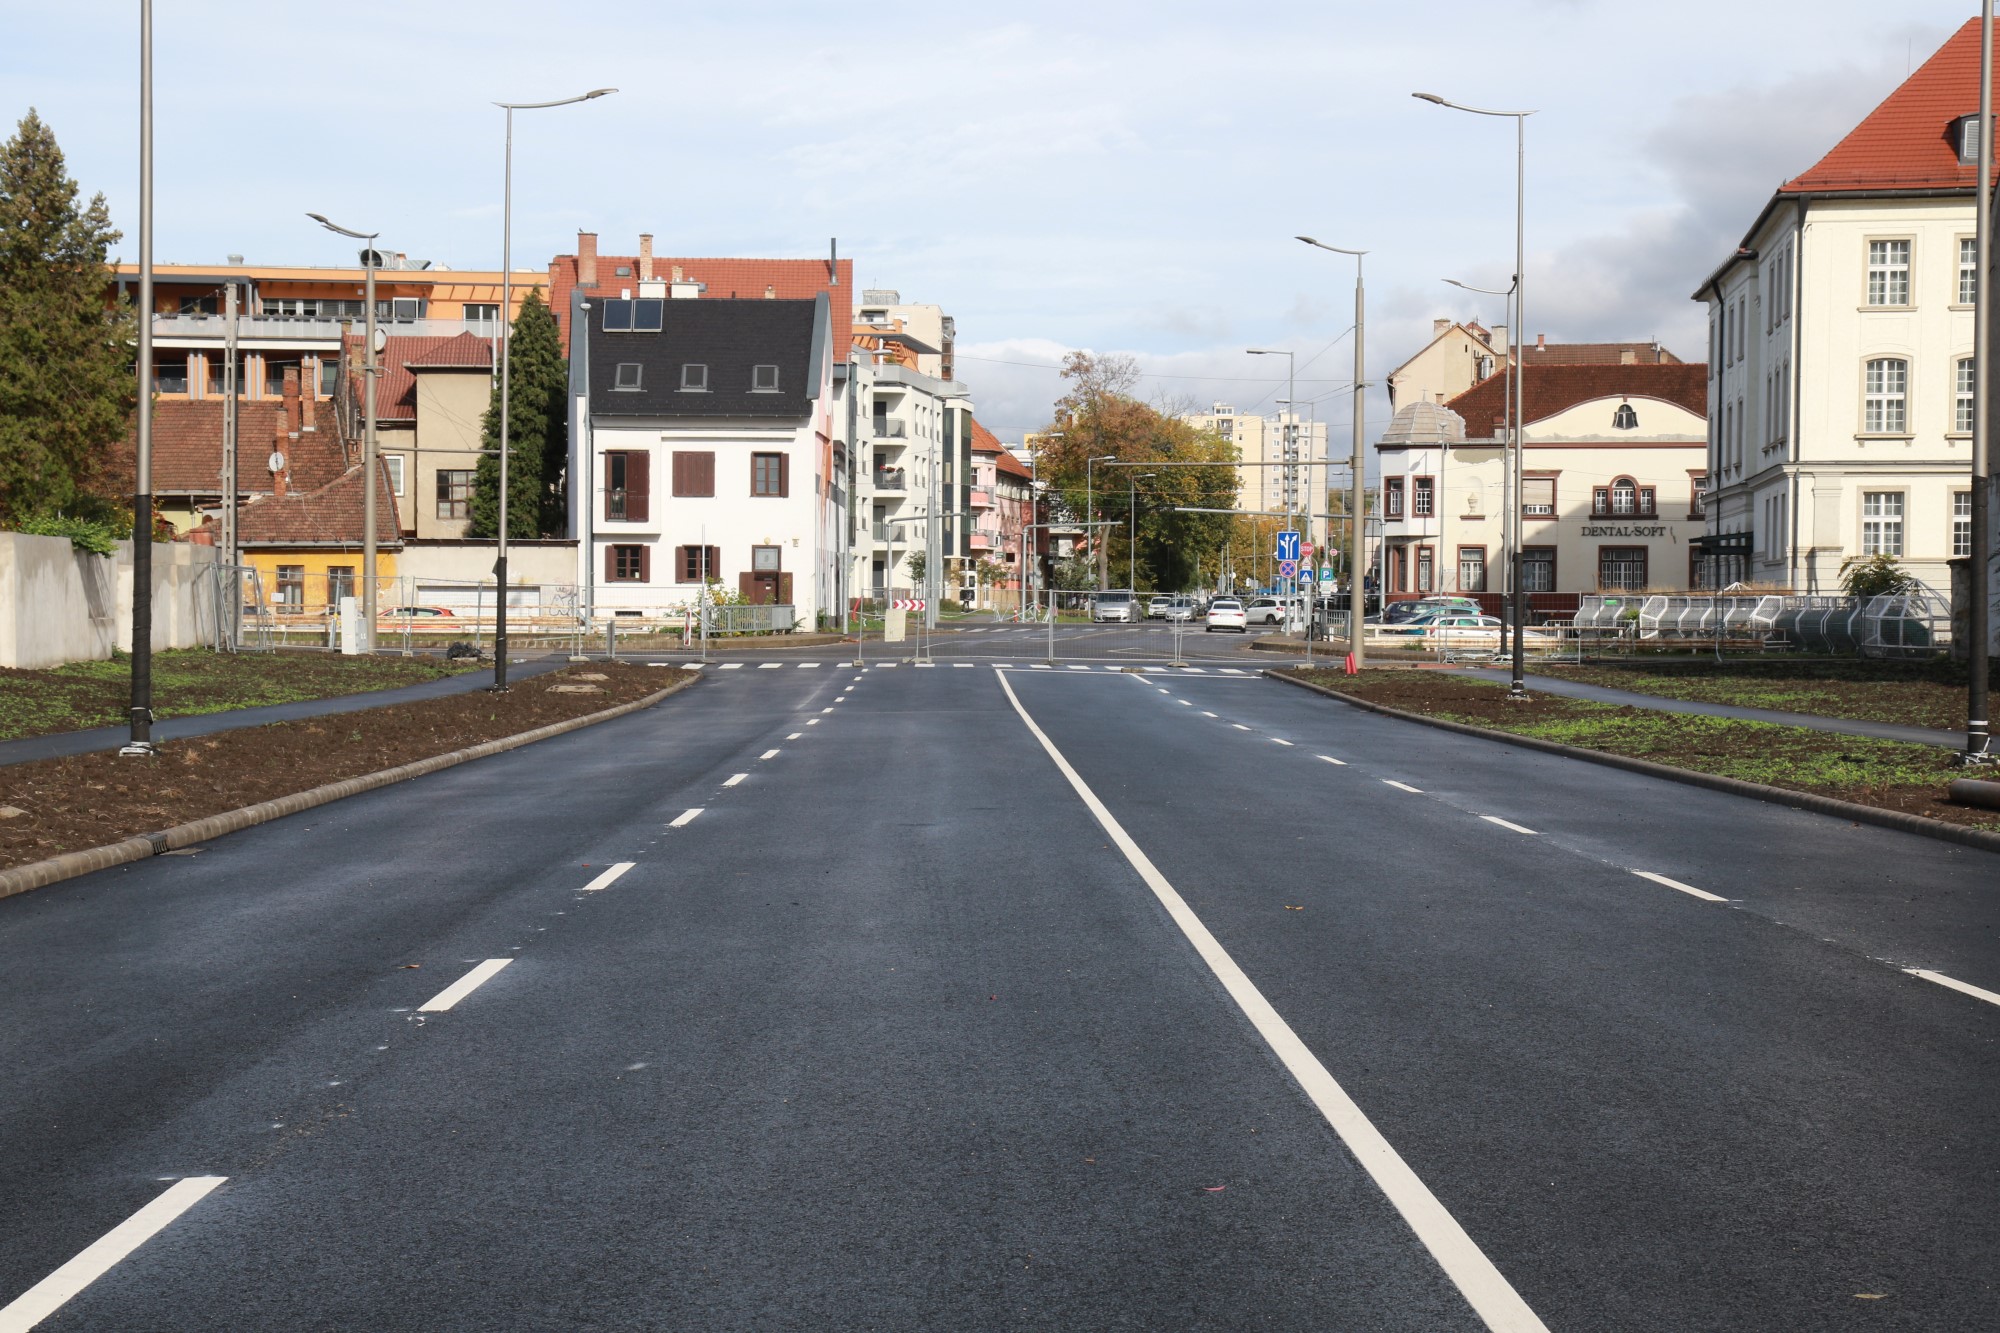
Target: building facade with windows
<point>1613,468</point>
<point>708,453</point>
<point>1263,441</point>
<point>1840,350</point>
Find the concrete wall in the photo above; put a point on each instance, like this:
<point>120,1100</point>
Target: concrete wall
<point>59,604</point>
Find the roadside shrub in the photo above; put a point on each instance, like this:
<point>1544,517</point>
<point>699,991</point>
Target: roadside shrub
<point>97,536</point>
<point>1875,576</point>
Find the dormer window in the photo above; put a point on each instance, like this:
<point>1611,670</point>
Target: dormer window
<point>763,379</point>
<point>627,377</point>
<point>1967,140</point>
<point>1625,418</point>
<point>694,378</point>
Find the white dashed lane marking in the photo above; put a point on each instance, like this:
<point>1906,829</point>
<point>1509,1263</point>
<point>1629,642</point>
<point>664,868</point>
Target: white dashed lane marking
<point>604,880</point>
<point>1508,823</point>
<point>1327,758</point>
<point>1702,894</point>
<point>795,735</point>
<point>1276,741</point>
<point>464,986</point>
<point>769,666</point>
<point>43,1299</point>
<point>768,754</point>
<point>730,666</point>
<point>1955,984</point>
<point>686,817</point>
<point>1239,726</point>
<point>735,778</point>
<point>1402,786</point>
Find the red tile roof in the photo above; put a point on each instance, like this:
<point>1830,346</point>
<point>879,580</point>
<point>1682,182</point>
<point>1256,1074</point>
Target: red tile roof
<point>1595,354</point>
<point>1906,143</point>
<point>328,516</point>
<point>466,351</point>
<point>187,447</point>
<point>1552,389</point>
<point>985,441</point>
<point>785,279</point>
<point>396,393</point>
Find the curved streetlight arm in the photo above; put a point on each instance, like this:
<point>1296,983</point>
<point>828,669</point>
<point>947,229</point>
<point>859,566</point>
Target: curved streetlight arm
<point>333,226</point>
<point>1337,249</point>
<point>561,101</point>
<point>1475,110</point>
<point>1508,290</point>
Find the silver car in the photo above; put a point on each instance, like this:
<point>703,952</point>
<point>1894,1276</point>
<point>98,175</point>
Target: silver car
<point>1108,606</point>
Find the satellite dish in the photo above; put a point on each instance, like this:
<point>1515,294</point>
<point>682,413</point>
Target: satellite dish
<point>381,340</point>
<point>277,461</point>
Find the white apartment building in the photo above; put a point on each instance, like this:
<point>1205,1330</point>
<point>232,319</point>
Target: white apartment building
<point>1284,437</point>
<point>1840,350</point>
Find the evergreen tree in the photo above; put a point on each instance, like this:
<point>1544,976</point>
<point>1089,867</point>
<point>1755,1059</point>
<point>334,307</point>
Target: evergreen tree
<point>66,384</point>
<point>537,433</point>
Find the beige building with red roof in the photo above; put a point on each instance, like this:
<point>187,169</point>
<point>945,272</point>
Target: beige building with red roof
<point>1840,349</point>
<point>1613,466</point>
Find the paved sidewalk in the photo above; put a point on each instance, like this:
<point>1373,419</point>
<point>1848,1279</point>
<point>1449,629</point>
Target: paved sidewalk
<point>61,743</point>
<point>1846,726</point>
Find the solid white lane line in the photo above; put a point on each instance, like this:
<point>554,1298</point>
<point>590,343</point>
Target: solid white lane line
<point>1489,1293</point>
<point>686,817</point>
<point>1402,786</point>
<point>1340,763</point>
<point>603,881</point>
<point>1276,741</point>
<point>1508,823</point>
<point>1239,726</point>
<point>768,754</point>
<point>730,666</point>
<point>1955,984</point>
<point>735,778</point>
<point>43,1299</point>
<point>463,987</point>
<point>1702,894</point>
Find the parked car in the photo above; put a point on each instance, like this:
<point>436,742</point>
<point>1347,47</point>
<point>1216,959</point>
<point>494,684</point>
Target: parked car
<point>1224,613</point>
<point>1180,609</point>
<point>1402,612</point>
<point>1268,610</point>
<point>1156,609</point>
<point>1108,606</point>
<point>1448,626</point>
<point>414,613</point>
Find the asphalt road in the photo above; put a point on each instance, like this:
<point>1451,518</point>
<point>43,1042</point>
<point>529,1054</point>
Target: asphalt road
<point>922,1023</point>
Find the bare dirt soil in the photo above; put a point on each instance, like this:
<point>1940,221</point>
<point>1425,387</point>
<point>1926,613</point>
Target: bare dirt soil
<point>1885,774</point>
<point>85,801</point>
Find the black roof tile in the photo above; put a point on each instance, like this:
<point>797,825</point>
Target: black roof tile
<point>730,338</point>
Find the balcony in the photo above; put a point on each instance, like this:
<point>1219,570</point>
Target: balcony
<point>984,539</point>
<point>885,429</point>
<point>259,330</point>
<point>890,479</point>
<point>982,498</point>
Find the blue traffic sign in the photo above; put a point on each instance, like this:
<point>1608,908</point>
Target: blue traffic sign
<point>1288,546</point>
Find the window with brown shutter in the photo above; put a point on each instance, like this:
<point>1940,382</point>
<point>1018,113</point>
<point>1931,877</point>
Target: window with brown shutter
<point>694,473</point>
<point>638,487</point>
<point>628,564</point>
<point>770,474</point>
<point>694,561</point>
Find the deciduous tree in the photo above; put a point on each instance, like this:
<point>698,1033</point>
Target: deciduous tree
<point>66,384</point>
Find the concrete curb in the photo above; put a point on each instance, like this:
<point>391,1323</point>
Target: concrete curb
<point>69,865</point>
<point>1756,791</point>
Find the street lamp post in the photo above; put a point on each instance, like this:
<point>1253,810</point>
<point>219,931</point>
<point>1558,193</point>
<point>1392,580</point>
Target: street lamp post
<point>503,341</point>
<point>1510,513</point>
<point>1517,688</point>
<point>1132,537</point>
<point>1090,505</point>
<point>1978,727</point>
<point>140,743</point>
<point>369,374</point>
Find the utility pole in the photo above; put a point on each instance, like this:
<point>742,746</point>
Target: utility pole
<point>1978,729</point>
<point>229,464</point>
<point>141,742</point>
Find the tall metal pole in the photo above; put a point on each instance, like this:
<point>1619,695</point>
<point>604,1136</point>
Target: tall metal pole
<point>505,342</point>
<point>1978,730</point>
<point>141,742</point>
<point>370,458</point>
<point>230,460</point>
<point>1356,492</point>
<point>1517,688</point>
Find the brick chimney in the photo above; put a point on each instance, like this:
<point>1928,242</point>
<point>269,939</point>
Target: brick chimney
<point>586,259</point>
<point>1439,326</point>
<point>1627,357</point>
<point>292,401</point>
<point>645,256</point>
<point>281,443</point>
<point>1541,342</point>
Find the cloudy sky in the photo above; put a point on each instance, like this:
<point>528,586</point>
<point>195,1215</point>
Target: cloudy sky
<point>1115,176</point>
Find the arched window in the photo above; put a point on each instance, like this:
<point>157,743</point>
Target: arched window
<point>1625,418</point>
<point>1624,496</point>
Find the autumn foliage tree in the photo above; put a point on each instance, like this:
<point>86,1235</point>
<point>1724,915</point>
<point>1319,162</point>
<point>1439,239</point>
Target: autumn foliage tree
<point>1098,417</point>
<point>67,387</point>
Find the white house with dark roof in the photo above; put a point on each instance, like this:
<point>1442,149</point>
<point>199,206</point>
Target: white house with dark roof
<point>702,446</point>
